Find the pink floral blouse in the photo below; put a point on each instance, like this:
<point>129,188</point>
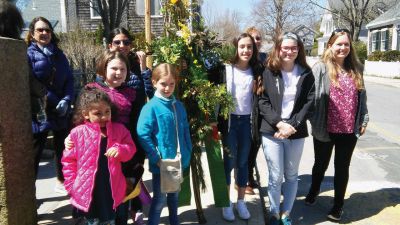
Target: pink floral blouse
<point>342,106</point>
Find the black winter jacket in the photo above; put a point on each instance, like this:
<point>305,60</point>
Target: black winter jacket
<point>270,102</point>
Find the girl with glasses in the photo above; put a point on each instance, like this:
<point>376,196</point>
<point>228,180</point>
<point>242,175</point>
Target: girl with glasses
<point>340,117</point>
<point>285,105</point>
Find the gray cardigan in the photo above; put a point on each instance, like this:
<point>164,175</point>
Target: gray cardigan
<point>321,100</point>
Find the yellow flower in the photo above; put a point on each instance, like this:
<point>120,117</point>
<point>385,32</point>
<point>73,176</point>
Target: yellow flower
<point>173,1</point>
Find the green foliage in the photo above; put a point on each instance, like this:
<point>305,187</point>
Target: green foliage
<point>99,34</point>
<point>139,41</point>
<point>226,52</point>
<point>169,50</point>
<point>387,56</point>
<point>391,56</point>
<point>361,50</point>
<point>375,56</point>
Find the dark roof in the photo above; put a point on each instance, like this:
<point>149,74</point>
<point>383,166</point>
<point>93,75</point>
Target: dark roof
<point>388,17</point>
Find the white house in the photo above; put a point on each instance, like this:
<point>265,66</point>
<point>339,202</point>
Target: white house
<point>330,22</point>
<point>384,31</point>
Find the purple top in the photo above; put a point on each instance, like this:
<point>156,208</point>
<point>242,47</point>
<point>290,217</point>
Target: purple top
<point>122,97</point>
<point>342,105</point>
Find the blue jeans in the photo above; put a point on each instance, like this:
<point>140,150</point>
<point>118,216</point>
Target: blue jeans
<point>283,159</point>
<point>238,143</point>
<point>158,202</point>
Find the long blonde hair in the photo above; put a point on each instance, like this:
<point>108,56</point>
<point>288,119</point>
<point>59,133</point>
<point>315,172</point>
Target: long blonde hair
<point>351,63</point>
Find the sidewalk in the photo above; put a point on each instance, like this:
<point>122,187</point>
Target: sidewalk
<point>55,208</point>
<point>383,80</point>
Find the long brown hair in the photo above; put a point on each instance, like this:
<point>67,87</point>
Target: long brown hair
<point>351,63</point>
<point>253,63</point>
<point>274,62</point>
<point>105,58</point>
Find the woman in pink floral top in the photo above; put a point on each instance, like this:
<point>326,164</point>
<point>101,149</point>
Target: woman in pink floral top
<point>340,116</point>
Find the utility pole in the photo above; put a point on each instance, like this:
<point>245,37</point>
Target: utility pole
<point>147,28</point>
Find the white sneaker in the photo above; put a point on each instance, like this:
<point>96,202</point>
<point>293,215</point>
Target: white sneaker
<point>59,188</point>
<point>242,210</point>
<point>227,213</point>
<point>139,219</point>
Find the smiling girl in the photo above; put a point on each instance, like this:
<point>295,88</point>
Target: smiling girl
<point>236,131</point>
<point>162,122</point>
<point>285,105</point>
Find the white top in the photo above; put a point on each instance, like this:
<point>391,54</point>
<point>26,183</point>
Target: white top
<point>290,80</point>
<point>240,84</point>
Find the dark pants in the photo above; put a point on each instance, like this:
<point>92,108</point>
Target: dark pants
<point>344,146</point>
<point>252,159</point>
<point>39,142</point>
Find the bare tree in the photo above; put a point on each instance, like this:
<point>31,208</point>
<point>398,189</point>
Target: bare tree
<point>276,16</point>
<point>352,14</point>
<point>111,12</point>
<point>227,25</point>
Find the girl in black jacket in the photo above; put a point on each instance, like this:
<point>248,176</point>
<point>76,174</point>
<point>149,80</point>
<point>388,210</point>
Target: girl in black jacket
<point>284,106</point>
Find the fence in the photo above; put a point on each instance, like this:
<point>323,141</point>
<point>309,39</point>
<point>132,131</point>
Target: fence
<point>382,69</point>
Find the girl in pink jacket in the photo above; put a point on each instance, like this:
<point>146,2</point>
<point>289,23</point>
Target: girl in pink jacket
<point>92,167</point>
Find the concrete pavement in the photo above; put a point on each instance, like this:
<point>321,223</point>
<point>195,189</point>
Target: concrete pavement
<point>369,202</point>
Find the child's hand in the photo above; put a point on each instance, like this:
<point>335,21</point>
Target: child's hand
<point>112,152</point>
<point>68,143</point>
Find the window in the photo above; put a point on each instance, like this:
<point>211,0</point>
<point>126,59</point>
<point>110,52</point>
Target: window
<point>376,41</point>
<point>94,10</point>
<point>155,6</point>
<point>384,40</point>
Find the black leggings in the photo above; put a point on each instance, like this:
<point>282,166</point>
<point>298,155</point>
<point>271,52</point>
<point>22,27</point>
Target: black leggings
<point>344,146</point>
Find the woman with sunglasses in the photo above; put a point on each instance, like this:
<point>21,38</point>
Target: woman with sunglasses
<point>140,80</point>
<point>285,105</point>
<point>341,115</point>
<point>50,66</point>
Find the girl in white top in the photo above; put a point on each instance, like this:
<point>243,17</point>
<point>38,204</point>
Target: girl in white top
<point>240,76</point>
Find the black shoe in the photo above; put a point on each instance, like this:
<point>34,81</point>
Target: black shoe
<point>336,213</point>
<point>253,184</point>
<point>310,199</point>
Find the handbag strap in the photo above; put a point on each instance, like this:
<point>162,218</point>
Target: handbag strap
<point>178,149</point>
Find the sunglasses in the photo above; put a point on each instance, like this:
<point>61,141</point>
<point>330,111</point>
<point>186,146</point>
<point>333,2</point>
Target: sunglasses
<point>40,30</point>
<point>340,30</point>
<point>124,42</point>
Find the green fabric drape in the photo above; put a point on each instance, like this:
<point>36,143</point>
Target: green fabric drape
<point>216,167</point>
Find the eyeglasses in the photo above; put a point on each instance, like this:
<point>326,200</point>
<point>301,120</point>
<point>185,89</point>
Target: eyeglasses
<point>257,38</point>
<point>287,49</point>
<point>40,30</point>
<point>340,30</point>
<point>124,42</point>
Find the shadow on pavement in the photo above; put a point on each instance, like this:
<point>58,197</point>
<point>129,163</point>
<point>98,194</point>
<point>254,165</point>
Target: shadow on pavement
<point>358,207</point>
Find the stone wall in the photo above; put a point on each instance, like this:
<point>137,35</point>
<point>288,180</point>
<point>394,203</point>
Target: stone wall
<point>17,182</point>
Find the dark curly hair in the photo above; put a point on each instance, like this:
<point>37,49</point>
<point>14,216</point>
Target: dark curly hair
<point>87,97</point>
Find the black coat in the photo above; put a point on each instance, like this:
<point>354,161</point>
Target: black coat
<point>270,102</point>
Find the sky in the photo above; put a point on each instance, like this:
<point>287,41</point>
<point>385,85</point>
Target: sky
<point>244,7</point>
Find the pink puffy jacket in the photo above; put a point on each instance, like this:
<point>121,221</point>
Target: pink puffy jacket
<point>80,163</point>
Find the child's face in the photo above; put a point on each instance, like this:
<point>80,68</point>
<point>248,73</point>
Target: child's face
<point>165,85</point>
<point>245,49</point>
<point>116,73</point>
<point>99,112</point>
